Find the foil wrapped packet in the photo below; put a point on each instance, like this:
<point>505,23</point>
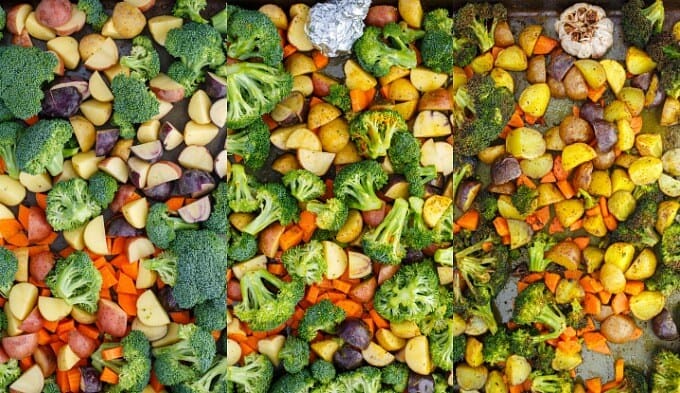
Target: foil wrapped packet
<point>335,25</point>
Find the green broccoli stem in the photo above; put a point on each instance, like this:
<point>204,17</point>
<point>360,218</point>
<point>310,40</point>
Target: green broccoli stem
<point>460,175</point>
<point>537,260</point>
<point>484,37</point>
<point>445,256</point>
<point>56,164</point>
<point>267,216</point>
<point>656,15</point>
<point>365,196</point>
<point>165,265</point>
<point>552,317</point>
<point>218,370</point>
<point>11,168</point>
<point>485,313</point>
<point>255,294</point>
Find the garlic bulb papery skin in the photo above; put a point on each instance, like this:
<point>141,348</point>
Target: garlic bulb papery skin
<point>585,31</point>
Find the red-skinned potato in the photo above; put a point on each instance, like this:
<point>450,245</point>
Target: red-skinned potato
<point>39,265</point>
<point>166,88</point>
<point>81,345</point>
<point>373,218</point>
<point>121,197</point>
<point>53,13</point>
<point>234,290</point>
<point>364,291</point>
<point>386,272</point>
<point>321,84</point>
<point>24,40</point>
<point>3,356</point>
<point>74,24</point>
<point>111,318</point>
<point>380,15</point>
<point>45,358</point>
<point>143,5</point>
<point>18,347</point>
<point>16,18</point>
<point>32,323</point>
<point>269,239</point>
<point>39,228</point>
<point>436,100</point>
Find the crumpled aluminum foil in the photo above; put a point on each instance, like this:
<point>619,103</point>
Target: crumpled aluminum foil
<point>334,26</point>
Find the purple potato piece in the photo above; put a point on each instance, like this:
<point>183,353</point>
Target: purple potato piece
<point>642,81</point>
<point>420,383</point>
<point>89,380</point>
<point>170,136</point>
<point>197,211</point>
<point>150,151</point>
<point>560,65</point>
<point>119,227</point>
<point>355,333</point>
<point>348,358</point>
<point>105,141</point>
<point>605,134</point>
<point>195,183</point>
<point>167,299</point>
<point>467,192</point>
<point>79,83</point>
<point>659,98</point>
<point>664,327</point>
<point>161,192</point>
<point>591,111</point>
<point>215,86</point>
<point>505,169</point>
<point>61,102</point>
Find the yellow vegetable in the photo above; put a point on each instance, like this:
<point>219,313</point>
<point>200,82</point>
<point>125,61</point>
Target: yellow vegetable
<point>576,154</point>
<point>512,58</point>
<point>534,99</point>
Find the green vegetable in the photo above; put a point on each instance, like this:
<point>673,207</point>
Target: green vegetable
<point>639,23</point>
<point>523,199</point>
<point>331,215</point>
<point>536,304</point>
<point>276,204</point>
<point>9,131</point>
<point>215,377</point>
<point>323,316</point>
<point>338,95</point>
<point>8,269</point>
<point>301,382</point>
<point>94,13</point>
<point>186,359</point>
<point>143,60</point>
<point>304,185</point>
<point>241,190</point>
<point>165,264</point>
<point>395,374</point>
<point>133,369</point>
<point>666,374</point>
<point>70,205</point>
<point>242,246</point>
<point>217,221</point>
<point>377,56</point>
<point>294,355</point>
<point>383,243</point>
<point>9,372</point>
<point>251,34</point>
<point>409,295</point>
<point>190,9</point>
<point>540,244</point>
<point>102,188</point>
<point>306,261</point>
<point>323,371</point>
<point>356,184</point>
<point>477,22</point>
<point>254,376</point>
<point>416,234</point>
<point>212,313</point>
<point>161,228</point>
<point>76,280</point>
<point>133,103</point>
<point>372,131</point>
<point>39,147</point>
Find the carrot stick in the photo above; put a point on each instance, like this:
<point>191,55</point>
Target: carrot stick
<point>558,170</point>
<point>9,227</point>
<point>551,281</point>
<point>313,294</point>
<point>18,239</point>
<point>73,376</point>
<point>320,60</point>
<point>41,200</point>
<point>22,215</point>
<point>131,269</point>
<point>566,188</point>
<point>180,317</point>
<point>596,342</point>
<point>501,225</point>
<point>112,353</point>
<point>544,45</point>
<point>634,287</point>
<point>342,286</point>
<point>288,50</point>
<point>469,220</point>
<point>174,203</point>
<point>594,385</point>
<point>532,278</point>
<point>126,285</point>
<point>308,225</point>
<point>128,303</point>
<point>352,308</point>
<point>291,237</point>
<point>618,370</point>
<point>109,376</point>
<point>380,322</point>
<point>549,178</point>
<point>591,304</point>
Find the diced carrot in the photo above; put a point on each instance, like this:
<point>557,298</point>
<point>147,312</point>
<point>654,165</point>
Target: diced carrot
<point>566,188</point>
<point>610,222</point>
<point>544,45</point>
<point>570,347</point>
<point>573,274</point>
<point>595,94</point>
<point>533,277</point>
<point>634,287</point>
<point>128,303</point>
<point>516,120</point>
<point>596,342</point>
<point>18,239</point>
<point>276,269</point>
<point>246,349</point>
<point>288,50</point>
<point>26,362</point>
<point>558,170</point>
<point>175,203</point>
<point>516,388</point>
<point>112,353</point>
<point>637,333</point>
<point>594,385</point>
<point>380,322</point>
<point>108,277</point>
<point>636,124</point>
<point>62,381</point>
<point>582,242</point>
<point>155,384</point>
<point>551,281</point>
<point>9,227</point>
<point>620,303</point>
<point>291,237</point>
<point>578,224</point>
<point>469,220</point>
<point>252,341</point>
<point>131,269</point>
<point>308,224</point>
<point>501,225</point>
<point>539,218</point>
<point>342,286</point>
<point>352,308</point>
<point>521,285</point>
<point>109,376</point>
<point>74,379</point>
<point>549,178</point>
<point>525,180</point>
<point>180,317</point>
<point>555,226</point>
<point>89,331</point>
<point>315,101</point>
<point>50,325</point>
<point>591,304</point>
<point>41,200</point>
<point>65,326</point>
<point>320,60</point>
<point>605,296</point>
<point>590,327</point>
<point>359,100</point>
<point>618,370</point>
<point>126,285</point>
<point>505,240</point>
<point>312,294</point>
<point>590,284</point>
<point>22,215</point>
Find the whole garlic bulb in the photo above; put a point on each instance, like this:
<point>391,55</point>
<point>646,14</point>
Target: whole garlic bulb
<point>585,31</point>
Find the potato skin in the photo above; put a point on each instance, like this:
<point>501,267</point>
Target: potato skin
<point>53,13</point>
<point>380,15</point>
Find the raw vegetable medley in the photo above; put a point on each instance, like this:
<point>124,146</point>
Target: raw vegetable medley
<point>139,256</point>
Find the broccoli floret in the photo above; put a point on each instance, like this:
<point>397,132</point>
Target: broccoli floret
<point>634,381</point>
<point>638,229</point>
<point>51,386</point>
<point>22,73</point>
<point>217,221</point>
<point>276,204</point>
<point>5,113</point>
<point>639,23</point>
<point>94,13</point>
<point>9,132</point>
<point>364,379</point>
<point>294,355</point>
<point>444,256</point>
<point>134,368</point>
<point>395,374</point>
<point>192,355</point>
<point>161,228</point>
<point>540,244</point>
<point>165,264</point>
<point>242,190</point>
<point>443,229</point>
<point>356,184</point>
<point>400,34</point>
<point>251,34</point>
<point>9,372</point>
<point>376,56</point>
<point>383,243</point>
<point>253,89</point>
<point>70,205</point>
<point>417,235</point>
<point>3,20</point>
<point>338,95</point>
<point>404,151</point>
<point>477,22</point>
<point>306,261</point>
<point>488,205</point>
<point>301,382</point>
<point>242,247</point>
<point>8,269</point>
<point>666,374</point>
<point>39,147</point>
<point>197,45</point>
<point>481,111</point>
<point>212,381</point>
<point>484,268</point>
<point>190,9</point>
<point>102,188</point>
<point>543,358</point>
<point>670,249</point>
<point>441,346</point>
<point>261,308</point>
<point>143,60</point>
<point>373,130</point>
<point>496,348</point>
<point>664,280</point>
<point>523,199</point>
<point>410,295</point>
<point>212,313</point>
<point>536,304</point>
<point>76,280</point>
<point>323,316</point>
<point>133,103</point>
<point>418,176</point>
<point>331,215</point>
<point>304,185</point>
<point>438,19</point>
<point>551,383</point>
<point>437,49</point>
<point>322,371</point>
